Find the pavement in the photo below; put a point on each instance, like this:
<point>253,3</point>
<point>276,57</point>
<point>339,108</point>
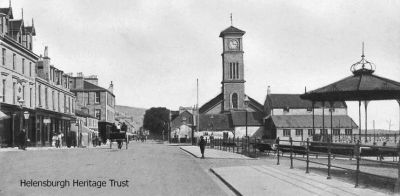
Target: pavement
<point>212,153</point>
<point>274,179</point>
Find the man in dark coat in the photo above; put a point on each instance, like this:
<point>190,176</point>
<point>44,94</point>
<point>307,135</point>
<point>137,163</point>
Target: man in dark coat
<point>22,139</point>
<point>202,144</point>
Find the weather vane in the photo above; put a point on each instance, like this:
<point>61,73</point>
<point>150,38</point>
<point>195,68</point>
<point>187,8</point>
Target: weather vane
<point>231,20</point>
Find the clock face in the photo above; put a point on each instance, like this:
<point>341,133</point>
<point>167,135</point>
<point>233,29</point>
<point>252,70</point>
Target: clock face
<point>233,44</point>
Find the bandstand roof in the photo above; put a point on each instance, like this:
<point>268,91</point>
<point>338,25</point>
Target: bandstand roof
<point>362,85</point>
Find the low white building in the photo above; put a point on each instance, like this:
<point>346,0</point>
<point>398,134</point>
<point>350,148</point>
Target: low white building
<point>290,116</point>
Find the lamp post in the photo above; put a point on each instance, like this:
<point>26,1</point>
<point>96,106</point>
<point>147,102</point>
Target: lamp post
<point>246,104</point>
<point>26,116</point>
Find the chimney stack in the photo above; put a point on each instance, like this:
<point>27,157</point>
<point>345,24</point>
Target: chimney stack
<point>111,88</point>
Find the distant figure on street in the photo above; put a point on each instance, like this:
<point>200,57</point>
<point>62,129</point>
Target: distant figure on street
<point>202,144</point>
<point>22,139</point>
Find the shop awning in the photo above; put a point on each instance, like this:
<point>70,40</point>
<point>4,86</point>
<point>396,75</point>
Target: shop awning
<point>3,116</point>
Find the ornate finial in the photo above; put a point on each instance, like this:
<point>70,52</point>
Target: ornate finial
<point>363,50</point>
<point>9,3</point>
<point>22,13</point>
<point>360,66</point>
<point>231,20</point>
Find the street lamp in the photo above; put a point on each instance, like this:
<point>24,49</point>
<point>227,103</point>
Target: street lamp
<point>246,104</point>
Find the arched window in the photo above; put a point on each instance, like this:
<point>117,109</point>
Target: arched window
<point>234,100</point>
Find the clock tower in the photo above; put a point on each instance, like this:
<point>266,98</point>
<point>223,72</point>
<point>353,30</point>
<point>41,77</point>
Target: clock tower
<point>232,69</point>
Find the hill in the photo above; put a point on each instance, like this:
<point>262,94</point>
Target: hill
<point>135,114</point>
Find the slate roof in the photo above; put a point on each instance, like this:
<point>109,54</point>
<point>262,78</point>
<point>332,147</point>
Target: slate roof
<point>305,121</point>
<point>15,25</point>
<point>90,86</point>
<point>231,31</point>
<point>31,30</point>
<point>7,11</point>
<point>204,108</point>
<point>253,118</point>
<point>184,118</point>
<point>215,122</point>
<point>294,101</point>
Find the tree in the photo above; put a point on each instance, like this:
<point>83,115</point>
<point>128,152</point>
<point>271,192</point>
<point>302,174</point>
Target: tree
<point>156,120</point>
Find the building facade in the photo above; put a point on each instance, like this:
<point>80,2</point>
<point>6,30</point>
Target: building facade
<point>17,77</point>
<point>93,99</point>
<point>55,103</point>
<point>289,116</point>
<point>226,113</point>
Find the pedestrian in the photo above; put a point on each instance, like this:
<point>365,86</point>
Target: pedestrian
<point>202,144</point>
<point>22,139</point>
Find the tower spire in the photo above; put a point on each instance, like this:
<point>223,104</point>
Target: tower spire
<point>231,20</point>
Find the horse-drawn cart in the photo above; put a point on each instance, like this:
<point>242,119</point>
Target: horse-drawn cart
<point>120,138</point>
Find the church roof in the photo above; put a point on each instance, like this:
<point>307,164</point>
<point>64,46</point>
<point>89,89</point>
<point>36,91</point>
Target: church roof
<point>305,121</point>
<point>210,104</point>
<point>183,118</point>
<point>215,122</point>
<point>294,101</point>
<point>253,118</point>
<point>231,31</point>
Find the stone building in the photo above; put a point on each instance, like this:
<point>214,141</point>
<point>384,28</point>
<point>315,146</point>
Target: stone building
<point>55,103</point>
<point>17,77</point>
<point>226,113</point>
<point>93,99</point>
<point>290,116</point>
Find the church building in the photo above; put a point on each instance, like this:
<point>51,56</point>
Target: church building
<point>230,112</point>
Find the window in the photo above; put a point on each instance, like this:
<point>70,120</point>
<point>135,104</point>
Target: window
<point>30,68</point>
<point>336,131</point>
<point>97,97</point>
<point>40,95</point>
<point>323,131</point>
<point>23,92</point>
<point>311,132</point>
<point>348,131</point>
<point>299,132</point>
<point>30,97</point>
<point>14,91</point>
<point>4,90</point>
<point>3,58</point>
<point>58,101</point>
<point>88,98</point>
<point>97,113</point>
<point>13,62</point>
<point>286,132</point>
<point>234,70</point>
<point>46,100</point>
<point>234,100</point>
<point>65,103</point>
<point>23,66</point>
<point>53,98</point>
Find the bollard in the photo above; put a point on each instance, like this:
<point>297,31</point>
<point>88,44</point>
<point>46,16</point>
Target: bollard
<point>357,151</point>
<point>308,151</point>
<point>291,152</point>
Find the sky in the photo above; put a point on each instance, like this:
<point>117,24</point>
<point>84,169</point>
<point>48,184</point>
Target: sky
<point>154,51</point>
